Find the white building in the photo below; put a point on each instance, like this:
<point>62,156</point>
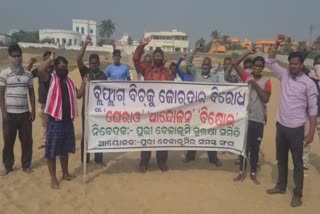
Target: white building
<point>85,28</point>
<point>169,41</point>
<point>61,37</point>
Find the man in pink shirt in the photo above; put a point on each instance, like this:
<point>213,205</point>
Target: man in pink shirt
<point>298,102</point>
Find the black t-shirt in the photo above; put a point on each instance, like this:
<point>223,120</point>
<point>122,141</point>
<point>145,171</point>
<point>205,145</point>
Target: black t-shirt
<point>66,114</point>
<point>43,86</point>
<point>99,75</point>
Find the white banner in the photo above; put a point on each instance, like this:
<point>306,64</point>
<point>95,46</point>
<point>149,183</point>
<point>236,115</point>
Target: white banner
<point>137,116</point>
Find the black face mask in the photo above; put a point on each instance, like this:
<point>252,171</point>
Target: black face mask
<point>62,73</point>
<point>205,72</point>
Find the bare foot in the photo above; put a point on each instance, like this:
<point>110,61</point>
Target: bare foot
<point>55,183</point>
<point>6,172</point>
<point>27,170</point>
<point>68,177</point>
<point>41,146</point>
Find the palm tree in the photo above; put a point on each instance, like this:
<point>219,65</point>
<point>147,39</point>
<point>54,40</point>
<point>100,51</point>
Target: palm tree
<point>106,29</point>
<point>215,34</point>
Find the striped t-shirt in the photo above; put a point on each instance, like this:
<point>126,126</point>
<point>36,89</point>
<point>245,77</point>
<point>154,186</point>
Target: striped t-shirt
<point>17,86</point>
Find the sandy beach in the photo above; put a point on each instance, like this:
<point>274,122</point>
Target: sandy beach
<point>197,187</point>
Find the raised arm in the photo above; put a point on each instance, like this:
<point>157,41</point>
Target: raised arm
<point>236,62</point>
<point>309,49</point>
<point>81,91</point>
<point>43,73</point>
<point>80,63</point>
<point>31,63</point>
<point>138,64</point>
<point>190,67</point>
<point>263,93</point>
<point>271,63</point>
<point>181,73</point>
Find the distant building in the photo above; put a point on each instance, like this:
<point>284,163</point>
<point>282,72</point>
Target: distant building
<point>234,40</point>
<point>246,43</point>
<point>61,37</point>
<point>217,46</point>
<point>169,41</point>
<point>85,28</point>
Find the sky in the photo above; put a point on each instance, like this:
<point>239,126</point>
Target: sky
<point>252,19</point>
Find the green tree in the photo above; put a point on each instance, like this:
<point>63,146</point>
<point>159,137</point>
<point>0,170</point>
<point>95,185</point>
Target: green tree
<point>106,30</point>
<point>203,42</point>
<point>215,34</point>
<point>225,39</point>
<point>48,40</point>
<point>302,45</point>
<point>130,40</point>
<point>23,36</point>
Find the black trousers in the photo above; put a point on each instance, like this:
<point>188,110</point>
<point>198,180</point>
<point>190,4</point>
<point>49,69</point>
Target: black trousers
<point>212,156</point>
<point>254,137</point>
<point>162,157</point>
<point>22,124</point>
<point>290,139</point>
<point>98,157</point>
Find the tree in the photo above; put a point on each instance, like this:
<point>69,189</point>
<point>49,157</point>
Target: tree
<point>318,40</point>
<point>106,29</point>
<point>302,45</point>
<point>203,42</point>
<point>215,34</point>
<point>48,40</point>
<point>22,36</point>
<point>130,40</point>
<point>225,39</point>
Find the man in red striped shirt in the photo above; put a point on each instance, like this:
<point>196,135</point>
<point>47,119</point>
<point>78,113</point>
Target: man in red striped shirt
<point>156,71</point>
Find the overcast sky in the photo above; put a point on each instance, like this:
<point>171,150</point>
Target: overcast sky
<point>253,19</point>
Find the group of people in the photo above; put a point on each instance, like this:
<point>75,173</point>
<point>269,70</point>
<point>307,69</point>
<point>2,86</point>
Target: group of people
<point>57,98</point>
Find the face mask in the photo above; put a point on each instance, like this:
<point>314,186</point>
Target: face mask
<point>205,71</point>
<point>249,70</point>
<point>15,63</point>
<point>317,69</point>
<point>256,70</point>
<point>62,73</point>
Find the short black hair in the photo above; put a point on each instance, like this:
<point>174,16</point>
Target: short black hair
<point>46,53</point>
<point>317,58</point>
<point>247,60</point>
<point>14,47</point>
<point>60,59</point>
<point>116,52</point>
<point>158,50</point>
<point>296,54</point>
<point>207,58</point>
<point>227,59</point>
<point>258,58</point>
<point>94,56</point>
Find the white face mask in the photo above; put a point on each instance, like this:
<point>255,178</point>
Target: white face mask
<point>317,69</point>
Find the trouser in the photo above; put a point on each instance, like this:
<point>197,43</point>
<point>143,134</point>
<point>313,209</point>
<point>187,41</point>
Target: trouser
<point>44,120</point>
<point>162,157</point>
<point>98,157</point>
<point>290,139</point>
<point>254,138</point>
<point>212,156</point>
<point>306,150</point>
<point>22,123</point>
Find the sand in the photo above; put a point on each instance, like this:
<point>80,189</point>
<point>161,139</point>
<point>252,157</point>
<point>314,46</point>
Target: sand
<point>192,188</point>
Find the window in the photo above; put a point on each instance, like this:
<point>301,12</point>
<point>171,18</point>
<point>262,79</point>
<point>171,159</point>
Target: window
<point>177,50</point>
<point>58,41</point>
<point>185,50</point>
<point>82,30</point>
<point>69,42</point>
<point>156,37</point>
<point>91,31</point>
<point>77,29</point>
<point>150,48</point>
<point>64,41</point>
<point>75,42</point>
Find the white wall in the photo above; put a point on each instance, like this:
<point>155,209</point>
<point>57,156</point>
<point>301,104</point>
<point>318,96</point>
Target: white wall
<point>88,26</point>
<point>61,37</point>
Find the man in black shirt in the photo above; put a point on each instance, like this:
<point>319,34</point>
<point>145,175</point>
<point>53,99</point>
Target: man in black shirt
<point>94,73</point>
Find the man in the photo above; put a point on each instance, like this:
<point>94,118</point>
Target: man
<point>117,71</point>
<point>147,60</point>
<point>15,85</point>
<point>61,106</point>
<point>94,73</point>
<point>247,65</point>
<point>42,98</point>
<point>205,74</point>
<point>173,68</point>
<point>298,102</point>
<point>182,74</point>
<point>306,71</point>
<point>259,96</point>
<point>156,71</point>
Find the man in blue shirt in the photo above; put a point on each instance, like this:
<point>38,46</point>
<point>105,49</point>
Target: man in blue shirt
<point>182,74</point>
<point>117,71</point>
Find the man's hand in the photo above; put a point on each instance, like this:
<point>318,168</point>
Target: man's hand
<point>199,46</point>
<point>33,60</point>
<point>252,50</point>
<point>313,46</point>
<point>32,116</point>
<point>146,41</point>
<point>5,116</point>
<point>184,56</point>
<point>308,139</point>
<point>88,40</point>
<point>85,79</point>
<point>280,38</point>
